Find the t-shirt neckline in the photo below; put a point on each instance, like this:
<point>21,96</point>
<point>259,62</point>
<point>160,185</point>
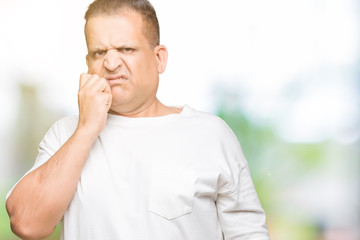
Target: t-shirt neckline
<point>134,121</point>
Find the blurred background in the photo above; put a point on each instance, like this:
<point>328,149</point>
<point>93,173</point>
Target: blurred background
<point>285,75</point>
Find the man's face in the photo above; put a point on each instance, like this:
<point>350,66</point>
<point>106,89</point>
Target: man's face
<point>119,52</point>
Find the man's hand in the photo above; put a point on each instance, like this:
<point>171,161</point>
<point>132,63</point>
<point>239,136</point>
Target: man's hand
<point>94,100</point>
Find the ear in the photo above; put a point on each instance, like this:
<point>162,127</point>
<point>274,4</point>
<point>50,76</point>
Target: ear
<point>161,55</point>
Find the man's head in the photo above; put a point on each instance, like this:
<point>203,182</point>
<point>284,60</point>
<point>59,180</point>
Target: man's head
<point>144,8</point>
<point>123,48</point>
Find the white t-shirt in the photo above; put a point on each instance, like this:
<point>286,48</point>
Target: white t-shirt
<point>176,177</point>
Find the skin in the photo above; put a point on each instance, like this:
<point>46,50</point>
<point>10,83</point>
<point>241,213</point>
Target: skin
<point>122,79</point>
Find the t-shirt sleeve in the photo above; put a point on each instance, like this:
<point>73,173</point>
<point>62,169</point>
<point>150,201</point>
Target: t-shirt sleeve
<point>55,137</point>
<point>240,213</point>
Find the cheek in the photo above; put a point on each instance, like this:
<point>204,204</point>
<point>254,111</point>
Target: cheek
<point>143,70</point>
<point>95,67</point>
<point>146,70</point>
<point>136,69</point>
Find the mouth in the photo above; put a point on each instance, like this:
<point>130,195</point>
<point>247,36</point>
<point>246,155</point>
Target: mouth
<point>116,79</point>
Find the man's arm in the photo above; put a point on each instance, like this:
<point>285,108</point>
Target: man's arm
<point>240,213</point>
<point>39,201</point>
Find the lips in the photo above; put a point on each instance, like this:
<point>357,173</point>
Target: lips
<point>116,79</point>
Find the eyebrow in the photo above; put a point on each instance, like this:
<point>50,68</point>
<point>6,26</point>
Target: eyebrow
<point>115,47</point>
<point>97,49</point>
<point>92,52</point>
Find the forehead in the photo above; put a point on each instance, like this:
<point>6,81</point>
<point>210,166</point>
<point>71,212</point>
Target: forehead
<point>125,27</point>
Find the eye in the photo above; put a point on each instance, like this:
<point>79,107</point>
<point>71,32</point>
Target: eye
<point>99,53</point>
<point>126,50</point>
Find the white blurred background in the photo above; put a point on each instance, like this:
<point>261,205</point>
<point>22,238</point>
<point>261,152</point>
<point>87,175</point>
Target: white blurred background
<point>285,75</point>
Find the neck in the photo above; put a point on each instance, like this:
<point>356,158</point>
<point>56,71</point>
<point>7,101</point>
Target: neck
<point>154,109</point>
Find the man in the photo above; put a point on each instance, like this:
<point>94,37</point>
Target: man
<point>130,167</point>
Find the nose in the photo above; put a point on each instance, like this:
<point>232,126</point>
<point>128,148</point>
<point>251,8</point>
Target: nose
<point>112,60</point>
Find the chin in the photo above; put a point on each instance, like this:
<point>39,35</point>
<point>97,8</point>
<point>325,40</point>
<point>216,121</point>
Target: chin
<point>121,102</point>
<point>117,102</point>
<point>119,95</point>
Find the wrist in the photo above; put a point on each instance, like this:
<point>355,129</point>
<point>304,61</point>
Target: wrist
<point>86,133</point>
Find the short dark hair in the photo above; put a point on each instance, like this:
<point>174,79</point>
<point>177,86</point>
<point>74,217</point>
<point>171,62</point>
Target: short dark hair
<point>151,28</point>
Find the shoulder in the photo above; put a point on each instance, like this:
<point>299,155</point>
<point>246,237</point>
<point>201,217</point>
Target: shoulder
<point>218,135</point>
<point>68,123</point>
<point>210,128</point>
<point>208,121</point>
<point>62,129</point>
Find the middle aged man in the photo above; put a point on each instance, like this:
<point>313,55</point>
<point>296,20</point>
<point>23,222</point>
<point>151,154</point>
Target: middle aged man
<point>130,167</point>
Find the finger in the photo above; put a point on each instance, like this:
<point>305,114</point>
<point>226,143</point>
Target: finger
<point>106,88</point>
<point>109,99</point>
<point>84,77</point>
<point>91,82</point>
<point>99,84</point>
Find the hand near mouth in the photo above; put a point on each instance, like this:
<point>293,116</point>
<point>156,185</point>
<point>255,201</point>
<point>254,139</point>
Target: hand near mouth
<point>94,102</point>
